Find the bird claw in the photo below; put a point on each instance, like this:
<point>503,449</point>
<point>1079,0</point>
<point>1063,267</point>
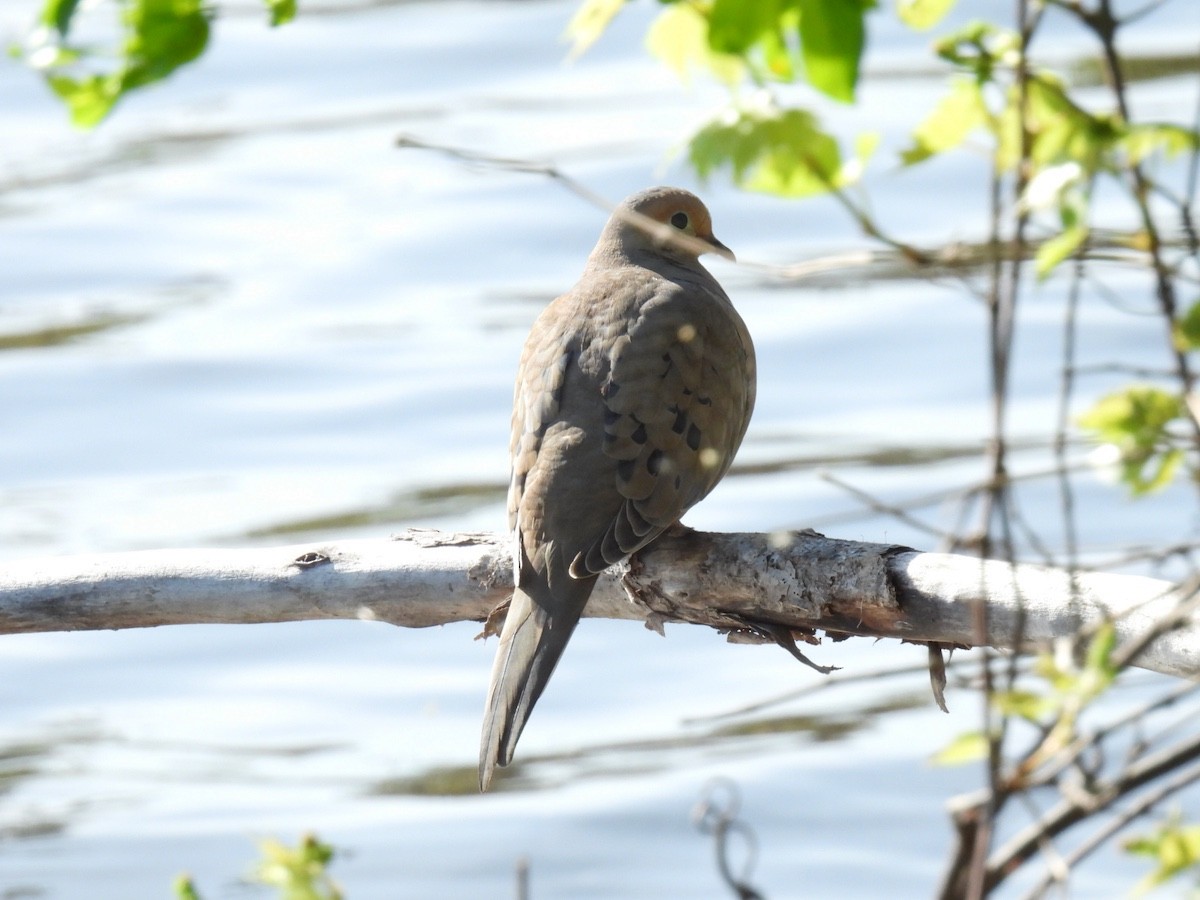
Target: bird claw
<point>494,621</point>
<point>785,638</point>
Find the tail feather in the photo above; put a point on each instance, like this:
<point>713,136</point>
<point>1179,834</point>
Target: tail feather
<point>534,636</point>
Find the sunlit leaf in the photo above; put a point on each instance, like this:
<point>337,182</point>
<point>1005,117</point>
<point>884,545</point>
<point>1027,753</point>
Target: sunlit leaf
<point>1175,849</point>
<point>1098,669</point>
<point>88,99</point>
<point>1135,415</point>
<point>165,34</point>
<point>282,11</point>
<point>589,22</point>
<point>956,115</point>
<point>1026,704</point>
<point>978,48</point>
<point>57,14</point>
<point>781,152</point>
<point>1141,141</point>
<point>1135,421</point>
<point>921,15</point>
<point>778,54</point>
<point>966,748</point>
<point>1056,249</point>
<point>832,34</point>
<point>185,889</point>
<point>299,871</point>
<point>1063,131</point>
<point>1162,468</point>
<point>734,26</point>
<point>679,38</point>
<point>1187,329</point>
<point>1062,680</point>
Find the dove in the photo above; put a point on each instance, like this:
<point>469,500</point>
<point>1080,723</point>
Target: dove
<point>633,393</point>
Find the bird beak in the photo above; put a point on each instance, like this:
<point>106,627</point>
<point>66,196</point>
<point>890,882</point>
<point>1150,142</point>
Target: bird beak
<point>719,248</point>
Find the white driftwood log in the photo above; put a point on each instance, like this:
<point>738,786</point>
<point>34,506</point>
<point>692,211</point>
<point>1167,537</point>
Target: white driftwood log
<point>738,582</point>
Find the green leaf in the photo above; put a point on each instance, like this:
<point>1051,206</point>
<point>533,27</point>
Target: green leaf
<point>589,22</point>
<point>165,34</point>
<point>1056,249</point>
<point>966,748</point>
<point>735,26</point>
<point>88,99</point>
<point>779,53</point>
<point>1187,329</point>
<point>185,889</point>
<point>679,38</point>
<point>1135,416</point>
<point>1026,704</point>
<point>978,48</point>
<point>921,15</point>
<point>1141,141</point>
<point>780,152</point>
<point>1061,130</point>
<point>1098,669</point>
<point>298,872</point>
<point>57,14</point>
<point>1161,472</point>
<point>282,11</point>
<point>956,115</point>
<point>1136,422</point>
<point>1061,680</point>
<point>832,35</point>
<point>1175,848</point>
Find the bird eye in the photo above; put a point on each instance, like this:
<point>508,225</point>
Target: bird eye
<point>680,220</point>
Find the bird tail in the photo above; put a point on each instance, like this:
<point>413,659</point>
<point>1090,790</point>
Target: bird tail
<point>534,636</point>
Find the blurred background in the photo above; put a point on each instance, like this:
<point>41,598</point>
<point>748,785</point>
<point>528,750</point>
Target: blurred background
<point>237,314</point>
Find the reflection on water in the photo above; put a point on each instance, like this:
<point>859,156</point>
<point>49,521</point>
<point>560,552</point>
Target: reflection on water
<point>237,313</point>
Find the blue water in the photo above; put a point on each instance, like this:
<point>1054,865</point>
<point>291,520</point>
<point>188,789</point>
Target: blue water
<point>298,331</point>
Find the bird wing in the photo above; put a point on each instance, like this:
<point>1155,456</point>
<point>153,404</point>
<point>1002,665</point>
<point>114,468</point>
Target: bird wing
<point>677,400</point>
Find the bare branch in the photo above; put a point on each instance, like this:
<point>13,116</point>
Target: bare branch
<point>747,584</point>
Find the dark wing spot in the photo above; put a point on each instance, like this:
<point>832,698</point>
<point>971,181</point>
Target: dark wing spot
<point>693,436</point>
<point>704,401</point>
<point>639,433</point>
<point>610,417</point>
<point>609,390</point>
<point>654,462</point>
<point>680,422</point>
<point>625,469</point>
<point>678,481</point>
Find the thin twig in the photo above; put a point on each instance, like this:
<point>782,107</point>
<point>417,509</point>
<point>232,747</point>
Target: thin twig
<point>1118,823</point>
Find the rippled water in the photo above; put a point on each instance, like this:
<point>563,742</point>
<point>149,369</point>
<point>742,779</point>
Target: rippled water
<point>237,314</point>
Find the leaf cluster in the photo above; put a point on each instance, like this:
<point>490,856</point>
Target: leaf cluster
<point>156,38</point>
<point>296,873</point>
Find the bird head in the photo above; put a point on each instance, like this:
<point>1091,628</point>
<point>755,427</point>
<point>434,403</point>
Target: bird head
<point>670,221</point>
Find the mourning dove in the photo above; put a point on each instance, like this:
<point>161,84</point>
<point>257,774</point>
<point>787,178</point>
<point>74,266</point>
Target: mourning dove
<point>633,394</point>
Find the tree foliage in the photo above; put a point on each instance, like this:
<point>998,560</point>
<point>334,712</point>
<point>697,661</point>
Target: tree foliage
<point>155,38</point>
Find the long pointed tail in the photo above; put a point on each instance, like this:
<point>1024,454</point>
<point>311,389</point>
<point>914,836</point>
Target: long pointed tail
<point>534,636</point>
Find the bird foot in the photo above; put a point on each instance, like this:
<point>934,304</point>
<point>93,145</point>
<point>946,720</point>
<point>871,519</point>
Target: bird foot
<point>494,621</point>
<point>785,638</point>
